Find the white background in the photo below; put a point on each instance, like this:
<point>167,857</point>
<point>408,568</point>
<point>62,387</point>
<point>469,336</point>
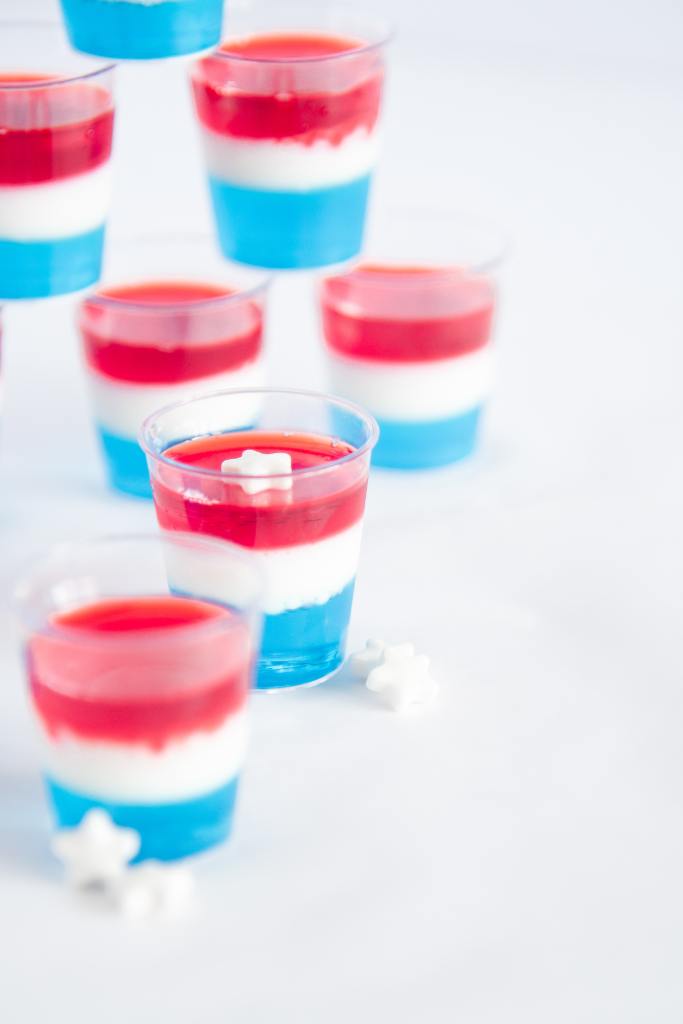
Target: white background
<point>515,856</point>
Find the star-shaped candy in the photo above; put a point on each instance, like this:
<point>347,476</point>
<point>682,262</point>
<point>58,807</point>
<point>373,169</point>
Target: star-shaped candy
<point>373,654</point>
<point>403,679</point>
<point>97,851</point>
<point>155,889</point>
<point>255,467</point>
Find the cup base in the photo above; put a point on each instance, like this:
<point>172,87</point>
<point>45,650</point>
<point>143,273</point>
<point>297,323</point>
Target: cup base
<point>290,230</point>
<point>427,444</point>
<point>301,686</point>
<point>168,831</point>
<point>277,674</point>
<point>306,645</point>
<point>40,269</point>
<point>139,31</point>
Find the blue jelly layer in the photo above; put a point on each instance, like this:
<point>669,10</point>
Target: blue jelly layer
<point>38,269</point>
<point>306,644</point>
<point>167,831</point>
<point>142,31</point>
<point>290,230</point>
<point>422,445</point>
<point>126,464</point>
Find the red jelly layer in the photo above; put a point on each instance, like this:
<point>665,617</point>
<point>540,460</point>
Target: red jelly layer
<point>233,97</point>
<point>317,506</point>
<point>161,345</point>
<point>406,340</point>
<point>132,691</point>
<point>53,132</point>
<point>351,332</point>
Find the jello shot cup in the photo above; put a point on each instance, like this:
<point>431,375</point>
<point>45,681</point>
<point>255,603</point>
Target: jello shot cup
<point>174,322</point>
<point>139,694</point>
<point>288,108</point>
<point>56,121</point>
<point>408,334</point>
<point>142,29</point>
<point>290,487</point>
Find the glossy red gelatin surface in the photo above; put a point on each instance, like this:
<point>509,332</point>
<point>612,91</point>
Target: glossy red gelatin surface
<point>407,314</point>
<point>137,670</point>
<point>309,101</point>
<point>318,505</point>
<point>52,132</point>
<point>165,332</point>
<point>290,46</point>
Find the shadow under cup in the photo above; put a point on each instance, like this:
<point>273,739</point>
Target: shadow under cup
<point>139,696</point>
<point>305,524</point>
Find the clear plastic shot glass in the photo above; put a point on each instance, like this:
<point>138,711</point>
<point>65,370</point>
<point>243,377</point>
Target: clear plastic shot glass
<point>56,122</point>
<point>142,29</point>
<point>408,332</point>
<point>139,694</point>
<point>171,320</point>
<point>283,473</point>
<point>288,108</point>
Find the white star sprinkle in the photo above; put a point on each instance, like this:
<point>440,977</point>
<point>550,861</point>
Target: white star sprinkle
<point>362,662</point>
<point>97,851</point>
<point>403,679</point>
<point>155,889</point>
<point>256,467</point>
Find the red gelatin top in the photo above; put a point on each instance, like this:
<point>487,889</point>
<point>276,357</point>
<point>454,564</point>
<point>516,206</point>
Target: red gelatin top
<point>24,78</point>
<point>165,332</point>
<point>282,87</point>
<point>142,614</point>
<point>142,670</point>
<point>48,132</point>
<point>319,504</point>
<point>165,293</point>
<point>407,314</point>
<point>290,46</point>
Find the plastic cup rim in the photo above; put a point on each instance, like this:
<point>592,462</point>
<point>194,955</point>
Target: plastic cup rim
<point>220,624</point>
<point>385,36</point>
<point>264,279</point>
<point>48,83</point>
<point>120,303</point>
<point>441,272</point>
<point>297,474</point>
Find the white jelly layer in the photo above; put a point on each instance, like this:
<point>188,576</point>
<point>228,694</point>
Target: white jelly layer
<point>133,773</point>
<point>55,209</point>
<point>305,574</point>
<point>290,166</point>
<point>414,391</point>
<point>121,406</point>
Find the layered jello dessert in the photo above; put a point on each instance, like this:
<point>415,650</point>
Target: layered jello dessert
<point>139,699</point>
<point>55,147</point>
<point>142,29</point>
<point>289,113</point>
<point>156,342</point>
<point>291,488</point>
<point>412,342</point>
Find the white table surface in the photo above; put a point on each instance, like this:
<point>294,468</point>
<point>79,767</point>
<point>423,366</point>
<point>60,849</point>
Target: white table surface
<point>516,855</point>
